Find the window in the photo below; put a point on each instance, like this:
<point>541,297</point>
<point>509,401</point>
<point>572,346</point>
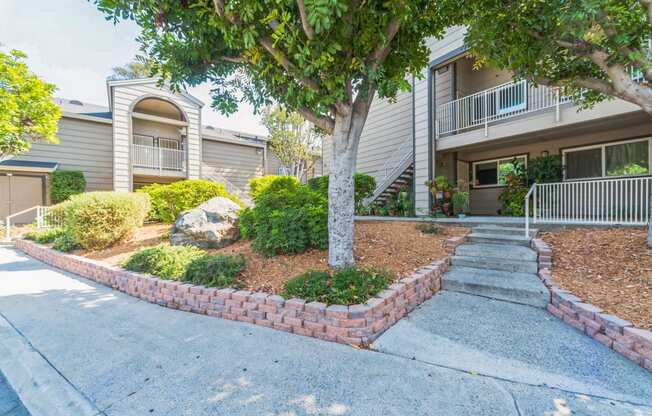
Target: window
<point>487,173</point>
<point>608,160</point>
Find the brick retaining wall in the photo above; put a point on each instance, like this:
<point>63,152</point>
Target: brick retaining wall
<point>615,333</point>
<point>356,324</point>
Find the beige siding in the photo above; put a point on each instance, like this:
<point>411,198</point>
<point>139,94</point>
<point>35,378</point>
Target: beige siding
<point>124,98</point>
<point>471,80</point>
<point>272,164</point>
<point>83,145</point>
<point>453,39</point>
<point>238,163</point>
<point>152,128</point>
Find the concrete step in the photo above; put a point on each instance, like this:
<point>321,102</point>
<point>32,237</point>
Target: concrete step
<point>523,288</point>
<point>498,229</point>
<point>494,263</point>
<point>500,251</point>
<point>489,238</point>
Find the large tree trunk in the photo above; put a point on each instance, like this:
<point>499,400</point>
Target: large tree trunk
<point>341,206</point>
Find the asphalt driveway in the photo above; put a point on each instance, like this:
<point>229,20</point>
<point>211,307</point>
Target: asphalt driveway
<point>128,357</point>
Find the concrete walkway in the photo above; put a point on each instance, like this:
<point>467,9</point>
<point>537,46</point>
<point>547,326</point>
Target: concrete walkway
<point>10,404</point>
<point>129,357</point>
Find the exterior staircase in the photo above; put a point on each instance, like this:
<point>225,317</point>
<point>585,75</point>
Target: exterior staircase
<point>392,187</point>
<point>497,262</point>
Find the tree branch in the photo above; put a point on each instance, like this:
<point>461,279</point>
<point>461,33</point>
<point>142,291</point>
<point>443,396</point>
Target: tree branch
<point>267,43</point>
<point>325,123</point>
<point>381,51</point>
<point>309,31</point>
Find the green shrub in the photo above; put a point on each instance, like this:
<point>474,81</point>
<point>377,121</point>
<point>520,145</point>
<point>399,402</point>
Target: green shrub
<point>97,220</point>
<point>344,287</point>
<point>216,271</point>
<point>65,243</point>
<point>512,197</point>
<point>545,169</point>
<point>429,228</point>
<point>286,221</point>
<point>168,201</point>
<point>164,261</point>
<point>271,183</point>
<point>46,236</point>
<point>364,187</point>
<point>66,183</point>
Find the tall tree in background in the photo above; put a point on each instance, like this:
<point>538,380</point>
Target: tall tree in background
<point>595,49</point>
<point>294,141</point>
<point>326,59</point>
<point>138,68</point>
<point>27,110</point>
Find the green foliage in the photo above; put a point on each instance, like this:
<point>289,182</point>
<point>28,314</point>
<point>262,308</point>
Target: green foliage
<point>512,175</point>
<point>46,236</point>
<point>545,169</point>
<point>65,183</point>
<point>138,68</point>
<point>168,201</point>
<point>271,183</point>
<point>65,242</point>
<point>286,221</point>
<point>577,45</point>
<point>97,220</point>
<point>27,109</point>
<point>363,187</point>
<point>629,169</point>
<point>216,271</point>
<point>292,140</point>
<point>164,261</point>
<point>429,228</point>
<point>347,286</point>
<point>460,202</point>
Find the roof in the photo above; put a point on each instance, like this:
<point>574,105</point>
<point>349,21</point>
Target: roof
<point>28,165</point>
<point>232,136</point>
<point>140,81</point>
<point>83,109</point>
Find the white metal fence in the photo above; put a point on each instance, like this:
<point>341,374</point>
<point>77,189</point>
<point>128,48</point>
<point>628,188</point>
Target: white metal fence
<point>45,218</point>
<point>156,157</point>
<point>503,101</point>
<point>619,201</point>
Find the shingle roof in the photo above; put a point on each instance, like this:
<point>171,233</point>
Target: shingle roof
<point>29,164</point>
<point>86,109</point>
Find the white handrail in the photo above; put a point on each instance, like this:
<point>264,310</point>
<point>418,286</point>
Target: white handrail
<point>531,191</point>
<point>156,157</point>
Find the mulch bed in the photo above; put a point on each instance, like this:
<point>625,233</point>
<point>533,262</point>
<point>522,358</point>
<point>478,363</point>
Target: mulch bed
<point>610,268</point>
<point>394,246</point>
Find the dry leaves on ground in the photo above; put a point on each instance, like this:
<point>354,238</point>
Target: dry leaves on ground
<point>609,268</point>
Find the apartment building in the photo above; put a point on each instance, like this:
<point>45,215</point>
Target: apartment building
<point>463,122</point>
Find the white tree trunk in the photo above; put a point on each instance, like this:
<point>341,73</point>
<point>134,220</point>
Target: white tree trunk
<point>341,206</point>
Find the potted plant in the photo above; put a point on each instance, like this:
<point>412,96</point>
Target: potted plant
<point>460,203</point>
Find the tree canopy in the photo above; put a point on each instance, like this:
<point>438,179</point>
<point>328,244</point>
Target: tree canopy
<point>294,141</point>
<point>27,110</point>
<point>138,68</point>
<point>594,49</point>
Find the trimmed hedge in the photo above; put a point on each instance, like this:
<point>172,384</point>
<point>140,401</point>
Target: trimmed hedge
<point>168,201</point>
<point>66,183</point>
<point>216,271</point>
<point>98,220</point>
<point>271,183</point>
<point>287,219</point>
<point>44,236</point>
<point>348,286</point>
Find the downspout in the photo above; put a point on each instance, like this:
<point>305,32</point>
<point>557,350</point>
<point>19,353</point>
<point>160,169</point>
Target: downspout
<point>414,154</point>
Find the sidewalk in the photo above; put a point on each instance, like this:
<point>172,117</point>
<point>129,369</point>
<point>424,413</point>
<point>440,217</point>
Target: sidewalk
<point>129,357</point>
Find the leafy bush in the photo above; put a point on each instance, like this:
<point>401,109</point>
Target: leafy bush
<point>364,186</point>
<point>216,271</point>
<point>429,228</point>
<point>512,175</point>
<point>286,221</point>
<point>46,236</point>
<point>460,202</point>
<point>66,183</point>
<point>97,220</point>
<point>65,243</point>
<point>271,183</point>
<point>545,169</point>
<point>168,201</point>
<point>164,261</point>
<point>346,287</point>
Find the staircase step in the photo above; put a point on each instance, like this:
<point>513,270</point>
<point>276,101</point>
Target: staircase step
<point>491,238</point>
<point>494,263</point>
<point>523,288</point>
<point>499,229</point>
<point>499,251</point>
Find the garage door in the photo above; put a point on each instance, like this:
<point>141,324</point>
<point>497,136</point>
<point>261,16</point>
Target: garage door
<point>19,192</point>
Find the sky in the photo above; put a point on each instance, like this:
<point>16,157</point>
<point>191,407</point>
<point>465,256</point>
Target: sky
<point>70,44</point>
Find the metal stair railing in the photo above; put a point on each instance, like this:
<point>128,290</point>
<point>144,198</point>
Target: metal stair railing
<point>211,174</point>
<point>44,219</point>
<point>393,167</point>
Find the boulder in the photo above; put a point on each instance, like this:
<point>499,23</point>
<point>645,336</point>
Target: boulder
<point>213,224</point>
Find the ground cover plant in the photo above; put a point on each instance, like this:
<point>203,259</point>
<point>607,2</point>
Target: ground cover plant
<point>168,201</point>
<point>46,236</point>
<point>347,286</point>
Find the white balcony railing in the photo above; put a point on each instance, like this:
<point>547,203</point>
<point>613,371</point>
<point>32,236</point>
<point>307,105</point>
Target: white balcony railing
<point>158,158</point>
<point>618,201</point>
<point>498,103</point>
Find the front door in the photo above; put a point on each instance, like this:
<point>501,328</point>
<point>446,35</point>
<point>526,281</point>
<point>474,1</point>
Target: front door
<point>19,192</point>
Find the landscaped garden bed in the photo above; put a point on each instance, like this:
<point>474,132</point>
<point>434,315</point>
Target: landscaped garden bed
<point>609,268</point>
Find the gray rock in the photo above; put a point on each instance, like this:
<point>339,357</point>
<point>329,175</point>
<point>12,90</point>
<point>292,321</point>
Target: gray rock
<point>213,224</point>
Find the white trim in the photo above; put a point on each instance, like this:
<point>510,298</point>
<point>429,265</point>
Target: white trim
<point>497,160</point>
<point>159,119</point>
<point>603,157</point>
<point>85,117</point>
<point>142,81</point>
<point>240,142</point>
<point>9,168</point>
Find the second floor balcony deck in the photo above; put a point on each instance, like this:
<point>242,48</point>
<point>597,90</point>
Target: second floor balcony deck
<point>163,157</point>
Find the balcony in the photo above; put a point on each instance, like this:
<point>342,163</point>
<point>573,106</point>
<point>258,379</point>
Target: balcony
<point>158,160</point>
<point>502,102</point>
